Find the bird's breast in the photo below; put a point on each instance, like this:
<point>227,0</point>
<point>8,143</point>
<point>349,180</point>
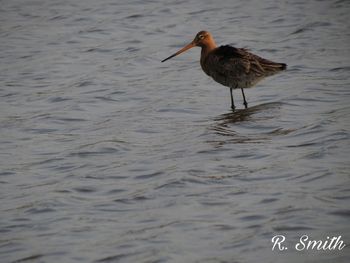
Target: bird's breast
<point>206,64</point>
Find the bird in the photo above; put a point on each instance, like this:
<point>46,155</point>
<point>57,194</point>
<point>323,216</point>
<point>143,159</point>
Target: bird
<point>236,68</point>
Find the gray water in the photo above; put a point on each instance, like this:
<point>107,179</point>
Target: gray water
<point>108,155</point>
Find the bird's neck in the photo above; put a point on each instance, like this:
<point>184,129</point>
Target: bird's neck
<point>207,48</point>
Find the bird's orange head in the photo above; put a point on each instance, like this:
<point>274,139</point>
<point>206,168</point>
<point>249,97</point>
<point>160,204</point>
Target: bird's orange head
<point>202,39</point>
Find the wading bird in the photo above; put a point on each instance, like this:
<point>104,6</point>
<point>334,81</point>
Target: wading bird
<point>235,68</point>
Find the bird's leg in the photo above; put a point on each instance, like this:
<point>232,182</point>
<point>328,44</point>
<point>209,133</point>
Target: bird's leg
<point>232,103</point>
<point>244,100</point>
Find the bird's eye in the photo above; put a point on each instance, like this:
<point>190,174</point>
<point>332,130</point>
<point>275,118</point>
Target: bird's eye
<point>200,36</point>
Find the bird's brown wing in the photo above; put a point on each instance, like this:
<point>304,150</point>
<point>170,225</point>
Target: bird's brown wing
<point>236,61</point>
<point>228,65</point>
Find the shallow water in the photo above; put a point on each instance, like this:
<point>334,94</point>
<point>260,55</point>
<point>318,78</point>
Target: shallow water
<point>108,155</point>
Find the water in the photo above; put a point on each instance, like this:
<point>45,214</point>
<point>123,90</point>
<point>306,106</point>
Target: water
<point>108,155</point>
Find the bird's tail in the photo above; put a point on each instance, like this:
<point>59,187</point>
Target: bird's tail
<point>282,66</point>
<point>272,68</point>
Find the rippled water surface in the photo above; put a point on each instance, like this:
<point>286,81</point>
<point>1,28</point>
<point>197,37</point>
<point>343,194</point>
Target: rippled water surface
<point>108,155</point>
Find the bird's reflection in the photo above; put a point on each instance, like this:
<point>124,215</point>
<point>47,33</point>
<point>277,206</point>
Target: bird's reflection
<point>244,114</point>
<point>227,124</point>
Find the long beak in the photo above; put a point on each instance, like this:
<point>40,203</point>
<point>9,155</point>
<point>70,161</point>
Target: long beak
<point>190,45</point>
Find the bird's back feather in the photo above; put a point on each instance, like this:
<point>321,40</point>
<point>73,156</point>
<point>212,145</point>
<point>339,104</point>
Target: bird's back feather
<point>237,67</point>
